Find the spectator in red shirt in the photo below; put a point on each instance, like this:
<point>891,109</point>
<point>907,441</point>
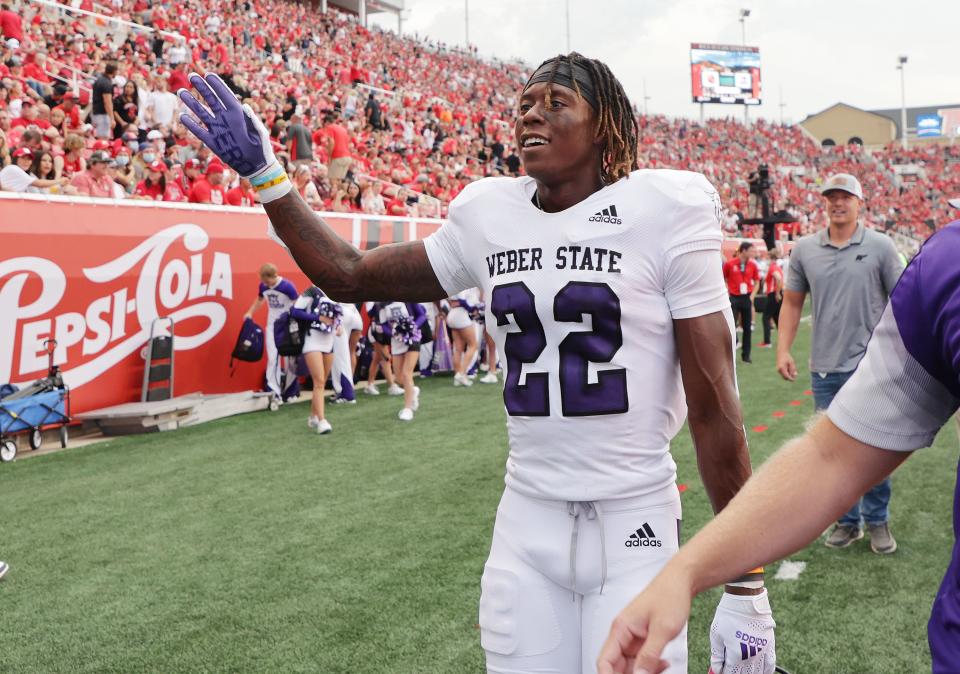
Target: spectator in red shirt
<point>192,169</point>
<point>70,111</point>
<point>34,72</point>
<point>73,161</point>
<point>743,281</point>
<point>174,192</point>
<point>154,184</point>
<point>209,189</point>
<point>398,204</point>
<point>95,181</point>
<point>28,116</point>
<point>178,78</point>
<point>773,286</point>
<point>338,150</point>
<point>10,26</point>
<point>242,194</point>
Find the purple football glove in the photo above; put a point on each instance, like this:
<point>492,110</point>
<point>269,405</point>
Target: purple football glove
<point>231,130</point>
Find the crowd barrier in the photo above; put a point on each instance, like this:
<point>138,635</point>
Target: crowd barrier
<point>94,274</point>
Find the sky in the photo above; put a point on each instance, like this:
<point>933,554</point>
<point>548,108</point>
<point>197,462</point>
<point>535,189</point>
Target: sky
<point>814,53</point>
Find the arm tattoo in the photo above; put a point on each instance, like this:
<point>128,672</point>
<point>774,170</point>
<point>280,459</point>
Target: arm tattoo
<point>399,271</point>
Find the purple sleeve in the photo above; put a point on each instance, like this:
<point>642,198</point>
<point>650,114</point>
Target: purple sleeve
<point>906,387</point>
<point>926,304</point>
<point>302,314</point>
<point>287,289</point>
<point>418,312</point>
<point>263,287</point>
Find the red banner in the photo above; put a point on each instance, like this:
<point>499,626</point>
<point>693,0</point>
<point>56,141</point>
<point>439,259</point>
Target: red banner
<point>95,274</point>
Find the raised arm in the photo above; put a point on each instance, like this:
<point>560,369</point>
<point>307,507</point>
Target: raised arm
<point>236,135</point>
<point>398,271</point>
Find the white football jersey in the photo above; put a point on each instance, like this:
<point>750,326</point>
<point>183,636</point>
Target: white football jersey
<point>581,304</point>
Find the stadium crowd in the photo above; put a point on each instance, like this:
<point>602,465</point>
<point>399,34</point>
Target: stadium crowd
<point>366,121</point>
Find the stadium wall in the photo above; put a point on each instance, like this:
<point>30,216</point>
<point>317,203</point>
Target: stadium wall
<point>95,273</point>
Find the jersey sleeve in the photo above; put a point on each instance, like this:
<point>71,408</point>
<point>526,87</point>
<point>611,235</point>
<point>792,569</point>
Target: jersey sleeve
<point>696,220</point>
<point>288,289</point>
<point>261,289</point>
<point>445,247</point>
<point>694,285</point>
<point>796,278</point>
<point>906,387</point>
<point>692,264</point>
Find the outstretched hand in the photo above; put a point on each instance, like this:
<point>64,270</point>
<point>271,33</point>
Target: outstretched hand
<point>648,623</point>
<point>231,130</point>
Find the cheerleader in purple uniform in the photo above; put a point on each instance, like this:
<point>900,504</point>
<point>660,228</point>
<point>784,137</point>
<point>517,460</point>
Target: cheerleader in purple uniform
<point>408,328</point>
<point>323,316</point>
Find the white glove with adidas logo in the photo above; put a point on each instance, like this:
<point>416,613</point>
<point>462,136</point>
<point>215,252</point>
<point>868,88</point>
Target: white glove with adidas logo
<point>741,637</point>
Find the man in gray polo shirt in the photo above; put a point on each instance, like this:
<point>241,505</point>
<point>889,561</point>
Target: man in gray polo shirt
<point>850,272</point>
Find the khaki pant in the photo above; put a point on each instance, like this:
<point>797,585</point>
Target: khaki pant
<point>338,168</point>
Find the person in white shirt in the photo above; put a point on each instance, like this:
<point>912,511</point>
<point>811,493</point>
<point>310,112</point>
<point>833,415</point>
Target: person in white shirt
<point>17,177</point>
<point>163,105</point>
<point>607,303</point>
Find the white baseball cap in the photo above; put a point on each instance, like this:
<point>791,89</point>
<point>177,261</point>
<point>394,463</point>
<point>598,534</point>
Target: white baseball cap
<point>154,135</point>
<point>845,182</point>
<point>954,202</point>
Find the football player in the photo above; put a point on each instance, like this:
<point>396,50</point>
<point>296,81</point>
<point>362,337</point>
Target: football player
<point>606,301</point>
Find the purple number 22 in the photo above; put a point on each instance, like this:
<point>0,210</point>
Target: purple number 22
<point>578,397</point>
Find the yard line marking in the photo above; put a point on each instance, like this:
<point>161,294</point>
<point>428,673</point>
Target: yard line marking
<point>779,415</point>
<point>796,403</point>
<point>759,429</point>
<point>790,570</point>
<point>808,392</point>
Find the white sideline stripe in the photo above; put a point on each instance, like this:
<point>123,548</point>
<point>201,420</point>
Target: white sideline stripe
<point>790,570</point>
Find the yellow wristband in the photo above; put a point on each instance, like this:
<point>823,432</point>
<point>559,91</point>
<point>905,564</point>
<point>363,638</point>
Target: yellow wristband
<point>273,183</point>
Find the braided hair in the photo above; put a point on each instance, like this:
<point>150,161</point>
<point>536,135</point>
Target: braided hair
<point>616,123</point>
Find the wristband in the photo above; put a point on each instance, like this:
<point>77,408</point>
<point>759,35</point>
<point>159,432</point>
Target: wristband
<point>271,183</point>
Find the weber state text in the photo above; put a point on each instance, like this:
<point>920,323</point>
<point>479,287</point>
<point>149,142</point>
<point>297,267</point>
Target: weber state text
<point>582,258</point>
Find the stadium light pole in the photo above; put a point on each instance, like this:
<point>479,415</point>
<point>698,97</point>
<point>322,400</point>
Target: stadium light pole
<point>568,26</point>
<point>744,13</point>
<point>901,62</point>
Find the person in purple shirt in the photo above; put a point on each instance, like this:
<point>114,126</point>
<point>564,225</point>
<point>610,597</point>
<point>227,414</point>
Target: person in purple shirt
<point>904,390</point>
<point>279,294</point>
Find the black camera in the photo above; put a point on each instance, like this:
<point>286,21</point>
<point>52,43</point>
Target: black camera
<point>760,180</point>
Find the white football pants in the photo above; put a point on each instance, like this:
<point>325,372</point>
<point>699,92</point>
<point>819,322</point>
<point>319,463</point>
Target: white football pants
<point>277,372</point>
<point>341,375</point>
<point>559,572</point>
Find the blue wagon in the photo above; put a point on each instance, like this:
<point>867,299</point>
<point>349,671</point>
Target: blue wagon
<point>43,405</point>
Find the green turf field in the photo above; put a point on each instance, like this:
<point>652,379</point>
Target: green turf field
<point>253,545</point>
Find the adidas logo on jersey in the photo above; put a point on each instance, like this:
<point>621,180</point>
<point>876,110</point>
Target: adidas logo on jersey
<point>608,214</point>
<point>643,538</point>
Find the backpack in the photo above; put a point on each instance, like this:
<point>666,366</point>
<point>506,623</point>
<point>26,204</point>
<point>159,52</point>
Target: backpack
<point>249,346</point>
<point>289,334</point>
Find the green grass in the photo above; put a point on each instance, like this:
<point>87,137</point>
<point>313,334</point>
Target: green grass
<point>252,545</point>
